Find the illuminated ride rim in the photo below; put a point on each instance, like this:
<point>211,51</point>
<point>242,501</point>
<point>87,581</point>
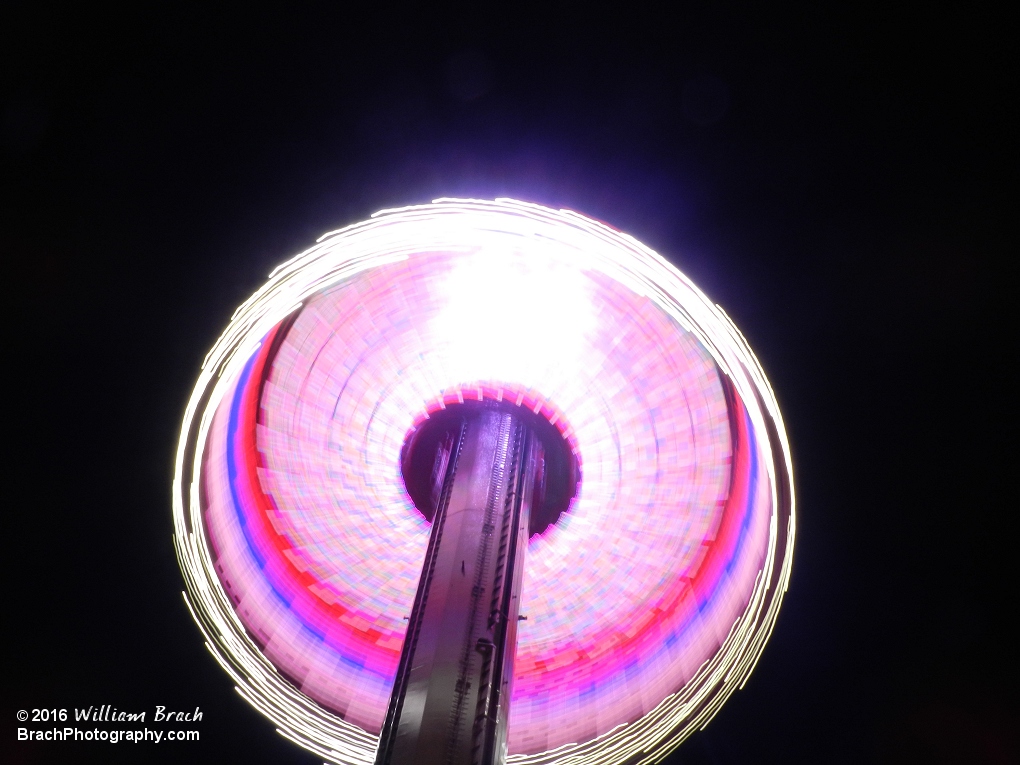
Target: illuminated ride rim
<point>650,599</point>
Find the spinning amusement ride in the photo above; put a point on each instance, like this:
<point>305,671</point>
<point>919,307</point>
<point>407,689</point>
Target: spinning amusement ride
<point>481,482</point>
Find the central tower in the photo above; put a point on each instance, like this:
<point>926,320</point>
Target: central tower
<point>450,700</point>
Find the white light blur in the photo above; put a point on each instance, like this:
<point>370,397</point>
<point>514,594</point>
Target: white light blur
<point>509,319</point>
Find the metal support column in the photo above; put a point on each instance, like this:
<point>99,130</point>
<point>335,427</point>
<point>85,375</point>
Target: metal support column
<point>451,696</point>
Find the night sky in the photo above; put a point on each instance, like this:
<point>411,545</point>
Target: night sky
<point>834,178</point>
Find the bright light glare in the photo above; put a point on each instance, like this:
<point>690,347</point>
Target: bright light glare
<point>512,318</point>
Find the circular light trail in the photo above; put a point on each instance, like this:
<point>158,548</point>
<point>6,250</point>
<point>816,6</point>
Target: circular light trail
<point>649,600</point>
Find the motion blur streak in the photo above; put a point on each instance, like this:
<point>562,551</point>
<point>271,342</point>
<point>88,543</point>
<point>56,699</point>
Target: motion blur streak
<point>648,602</point>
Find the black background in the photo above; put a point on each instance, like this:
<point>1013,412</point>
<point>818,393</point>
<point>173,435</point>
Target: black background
<point>834,177</point>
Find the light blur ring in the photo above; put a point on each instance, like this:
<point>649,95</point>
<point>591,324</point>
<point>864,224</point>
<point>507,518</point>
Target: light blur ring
<point>648,602</point>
